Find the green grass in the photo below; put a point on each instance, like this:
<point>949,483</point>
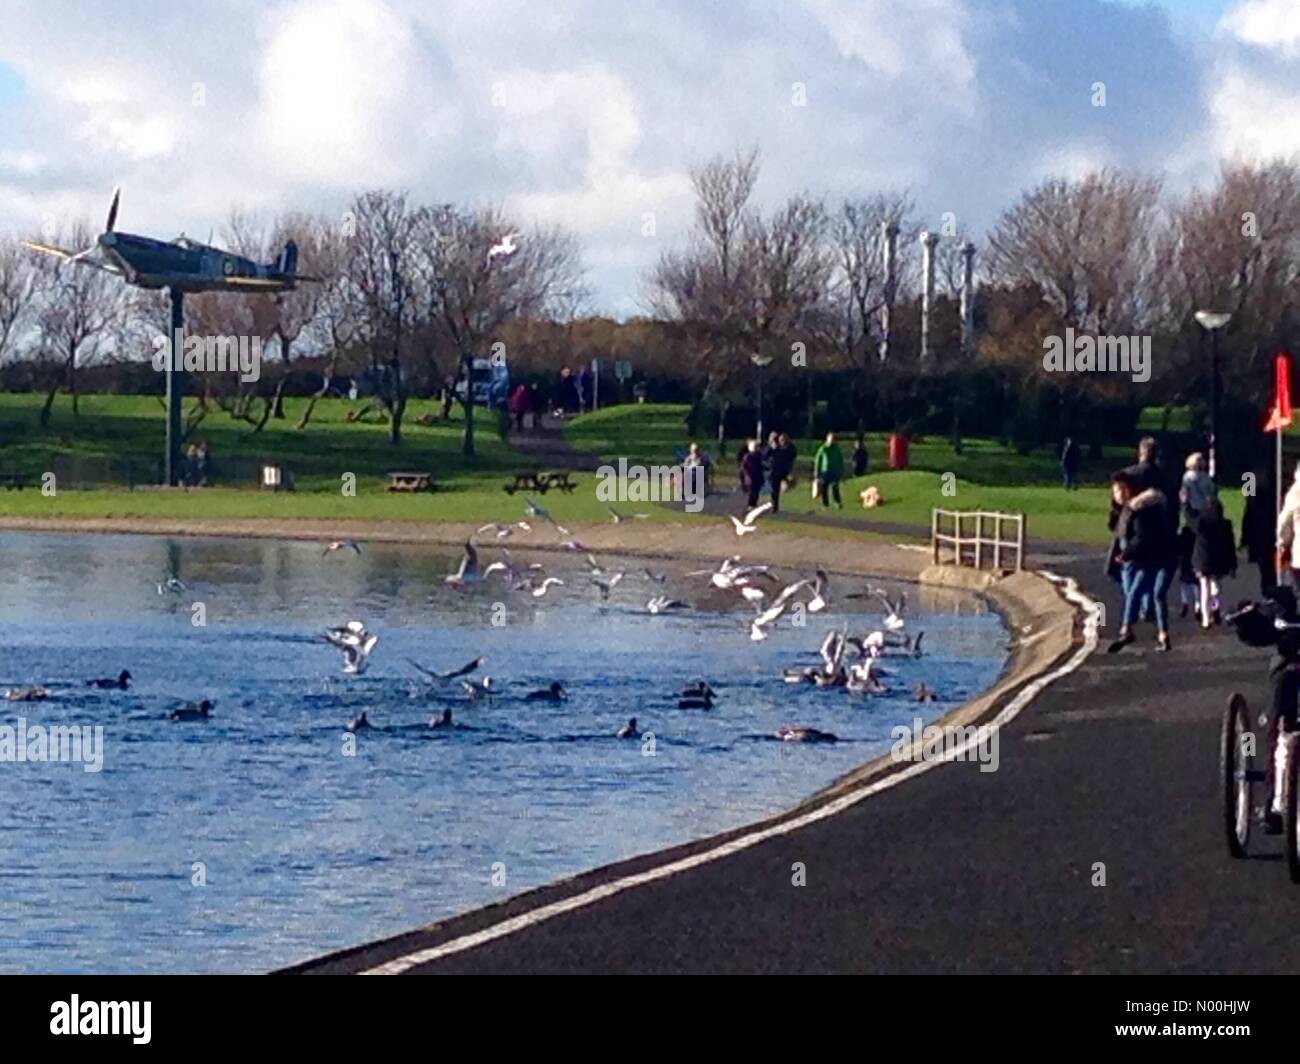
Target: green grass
<point>986,475</point>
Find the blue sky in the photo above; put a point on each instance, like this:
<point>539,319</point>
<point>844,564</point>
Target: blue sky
<point>591,113</point>
<point>11,85</point>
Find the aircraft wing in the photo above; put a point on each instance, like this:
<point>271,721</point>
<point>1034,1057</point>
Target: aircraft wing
<point>252,282</point>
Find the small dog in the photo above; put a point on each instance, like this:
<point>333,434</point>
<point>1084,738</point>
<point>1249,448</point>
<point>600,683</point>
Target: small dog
<point>870,497</point>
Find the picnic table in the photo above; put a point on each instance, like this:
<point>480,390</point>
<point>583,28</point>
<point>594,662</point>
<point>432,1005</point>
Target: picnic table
<point>410,481</point>
<point>540,483</point>
<point>13,481</point>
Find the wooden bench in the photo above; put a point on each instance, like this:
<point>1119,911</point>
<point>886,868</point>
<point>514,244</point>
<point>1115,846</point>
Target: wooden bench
<point>540,483</point>
<point>410,482</point>
<point>13,481</point>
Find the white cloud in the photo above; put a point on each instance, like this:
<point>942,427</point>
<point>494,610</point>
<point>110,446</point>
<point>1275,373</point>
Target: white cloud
<point>606,109</point>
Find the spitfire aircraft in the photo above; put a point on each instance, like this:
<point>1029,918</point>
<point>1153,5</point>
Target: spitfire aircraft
<point>182,265</point>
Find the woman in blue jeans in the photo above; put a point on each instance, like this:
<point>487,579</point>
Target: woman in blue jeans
<point>1146,554</point>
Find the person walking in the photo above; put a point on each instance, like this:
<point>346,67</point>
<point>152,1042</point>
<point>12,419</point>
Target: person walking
<point>1070,458</point>
<point>1145,554</point>
<point>1258,532</point>
<point>860,458</point>
<point>1195,493</point>
<point>778,463</point>
<point>828,467</point>
<point>519,404</point>
<point>751,472</point>
<point>1213,558</point>
<point>1288,524</point>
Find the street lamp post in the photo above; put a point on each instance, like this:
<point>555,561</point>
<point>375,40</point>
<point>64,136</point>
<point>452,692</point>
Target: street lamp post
<point>1213,322</point>
<point>761,362</point>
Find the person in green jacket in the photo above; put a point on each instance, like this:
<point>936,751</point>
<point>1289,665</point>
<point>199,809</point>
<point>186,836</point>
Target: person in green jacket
<point>828,466</point>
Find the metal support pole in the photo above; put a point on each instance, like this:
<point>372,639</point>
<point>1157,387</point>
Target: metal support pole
<point>175,391</point>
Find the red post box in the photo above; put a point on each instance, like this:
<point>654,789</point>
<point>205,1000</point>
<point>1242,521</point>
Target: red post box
<point>897,451</point>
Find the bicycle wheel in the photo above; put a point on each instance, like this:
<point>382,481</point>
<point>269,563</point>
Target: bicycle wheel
<point>1238,782</point>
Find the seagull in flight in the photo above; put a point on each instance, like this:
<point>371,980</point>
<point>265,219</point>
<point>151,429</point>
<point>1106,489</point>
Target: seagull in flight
<point>534,509</point>
<point>662,604</point>
<point>748,525</point>
<point>341,544</point>
<point>506,247</point>
<point>477,689</point>
<point>551,581</point>
<point>355,644</point>
<point>468,572</point>
<point>606,586</point>
<point>504,531</point>
<point>450,674</point>
<point>774,612</point>
<point>619,518</point>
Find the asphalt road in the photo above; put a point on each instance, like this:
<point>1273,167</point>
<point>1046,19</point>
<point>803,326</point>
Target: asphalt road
<point>1112,771</point>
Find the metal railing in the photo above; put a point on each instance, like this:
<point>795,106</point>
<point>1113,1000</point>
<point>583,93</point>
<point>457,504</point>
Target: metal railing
<point>970,543</point>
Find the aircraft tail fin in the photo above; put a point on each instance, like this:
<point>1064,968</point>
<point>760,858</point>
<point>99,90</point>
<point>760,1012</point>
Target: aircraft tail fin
<point>288,261</point>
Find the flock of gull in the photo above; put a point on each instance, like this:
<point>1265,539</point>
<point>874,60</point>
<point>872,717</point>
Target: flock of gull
<point>848,661</point>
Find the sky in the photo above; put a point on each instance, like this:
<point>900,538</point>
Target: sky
<point>591,113</point>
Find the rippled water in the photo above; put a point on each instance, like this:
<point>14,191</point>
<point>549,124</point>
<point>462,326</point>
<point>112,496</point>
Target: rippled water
<point>304,848</point>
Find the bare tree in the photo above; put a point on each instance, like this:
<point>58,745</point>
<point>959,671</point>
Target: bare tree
<point>1236,248</point>
<point>709,287</point>
<point>380,262</point>
<point>17,285</point>
<point>857,283</point>
<point>1090,246</point>
<point>78,310</point>
<point>469,291</point>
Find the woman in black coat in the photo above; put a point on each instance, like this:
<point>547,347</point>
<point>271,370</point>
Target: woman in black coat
<point>1213,558</point>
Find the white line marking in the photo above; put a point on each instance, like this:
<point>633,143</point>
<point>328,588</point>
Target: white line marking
<point>533,917</point>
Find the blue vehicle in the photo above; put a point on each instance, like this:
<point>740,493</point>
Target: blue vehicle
<point>491,382</point>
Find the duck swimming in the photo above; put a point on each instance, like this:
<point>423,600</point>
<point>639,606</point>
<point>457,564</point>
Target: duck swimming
<point>805,735</point>
<point>358,723</point>
<point>700,700</point>
<point>442,722</point>
<point>628,731</point>
<point>26,694</point>
<point>921,693</point>
<point>121,683</point>
<point>193,711</point>
<point>554,693</point>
